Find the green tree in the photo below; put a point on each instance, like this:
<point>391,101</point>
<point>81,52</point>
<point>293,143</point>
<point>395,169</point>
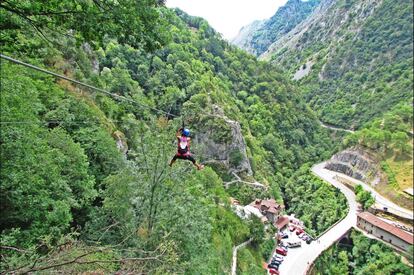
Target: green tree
<point>364,197</point>
<point>341,266</point>
<point>45,180</point>
<point>130,22</point>
<point>256,230</point>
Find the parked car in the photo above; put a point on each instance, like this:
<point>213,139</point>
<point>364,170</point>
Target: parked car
<point>283,235</point>
<point>299,231</point>
<point>292,228</point>
<point>273,271</point>
<point>281,251</point>
<point>294,244</point>
<point>272,266</point>
<point>276,263</point>
<point>309,239</point>
<point>278,258</point>
<point>306,238</point>
<point>283,245</point>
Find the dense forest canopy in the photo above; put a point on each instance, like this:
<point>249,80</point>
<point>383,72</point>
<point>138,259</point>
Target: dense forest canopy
<point>83,173</point>
<point>85,181</point>
<point>361,66</point>
<point>360,255</point>
<point>88,20</point>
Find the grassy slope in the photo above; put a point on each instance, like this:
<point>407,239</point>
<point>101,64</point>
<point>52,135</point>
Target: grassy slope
<point>402,171</point>
<point>402,168</point>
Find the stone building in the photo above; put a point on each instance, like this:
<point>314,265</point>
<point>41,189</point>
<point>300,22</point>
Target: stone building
<point>384,231</point>
<point>269,208</point>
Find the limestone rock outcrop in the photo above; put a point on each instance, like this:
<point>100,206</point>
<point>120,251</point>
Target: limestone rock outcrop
<point>222,142</point>
<point>357,163</point>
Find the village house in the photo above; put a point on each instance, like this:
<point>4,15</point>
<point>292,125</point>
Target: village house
<point>268,211</point>
<point>384,231</point>
<point>269,208</point>
<point>271,211</point>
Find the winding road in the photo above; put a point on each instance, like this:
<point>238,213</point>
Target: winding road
<point>380,201</point>
<point>299,261</point>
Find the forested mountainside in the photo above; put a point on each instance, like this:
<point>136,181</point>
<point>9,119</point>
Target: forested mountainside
<point>258,36</point>
<point>85,182</point>
<point>352,61</point>
<point>390,140</point>
<point>360,255</point>
<point>360,58</point>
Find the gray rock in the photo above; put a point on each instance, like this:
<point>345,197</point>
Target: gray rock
<point>94,60</point>
<point>215,150</point>
<point>357,163</point>
<point>121,143</point>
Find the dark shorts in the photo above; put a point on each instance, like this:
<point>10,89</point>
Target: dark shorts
<point>188,157</point>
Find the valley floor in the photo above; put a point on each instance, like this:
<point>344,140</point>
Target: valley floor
<point>299,261</point>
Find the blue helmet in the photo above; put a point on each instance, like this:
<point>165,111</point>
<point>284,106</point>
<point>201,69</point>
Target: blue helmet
<point>186,132</point>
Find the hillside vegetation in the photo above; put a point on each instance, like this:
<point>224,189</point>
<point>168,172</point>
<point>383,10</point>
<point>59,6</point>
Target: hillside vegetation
<point>257,37</point>
<point>360,256</point>
<point>352,61</point>
<point>85,182</point>
<point>391,140</point>
<point>362,55</point>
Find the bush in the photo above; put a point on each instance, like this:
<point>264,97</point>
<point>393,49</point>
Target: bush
<point>236,157</point>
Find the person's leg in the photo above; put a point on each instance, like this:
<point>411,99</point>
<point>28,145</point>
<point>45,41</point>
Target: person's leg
<point>192,159</point>
<point>173,160</point>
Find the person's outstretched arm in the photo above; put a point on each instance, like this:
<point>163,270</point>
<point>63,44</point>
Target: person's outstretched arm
<point>178,134</point>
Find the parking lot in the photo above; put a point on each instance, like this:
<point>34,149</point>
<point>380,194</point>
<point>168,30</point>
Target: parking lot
<point>292,252</point>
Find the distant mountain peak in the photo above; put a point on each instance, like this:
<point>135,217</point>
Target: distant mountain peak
<point>259,35</point>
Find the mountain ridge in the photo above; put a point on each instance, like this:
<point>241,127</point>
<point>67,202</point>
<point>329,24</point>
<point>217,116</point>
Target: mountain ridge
<point>256,37</point>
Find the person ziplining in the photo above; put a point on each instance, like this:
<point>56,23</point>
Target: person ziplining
<point>183,134</point>
<point>183,150</point>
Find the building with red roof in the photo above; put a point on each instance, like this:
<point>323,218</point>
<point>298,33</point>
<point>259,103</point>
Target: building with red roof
<point>384,231</point>
<point>269,208</point>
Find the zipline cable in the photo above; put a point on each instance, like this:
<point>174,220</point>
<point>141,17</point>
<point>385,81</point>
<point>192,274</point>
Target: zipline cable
<point>83,84</point>
<point>56,121</point>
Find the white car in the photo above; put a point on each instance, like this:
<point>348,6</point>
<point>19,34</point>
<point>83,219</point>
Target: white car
<point>278,258</point>
<point>294,244</point>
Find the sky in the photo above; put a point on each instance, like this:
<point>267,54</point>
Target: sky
<point>228,16</point>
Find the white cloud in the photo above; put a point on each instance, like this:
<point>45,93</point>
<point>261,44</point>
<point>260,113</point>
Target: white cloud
<point>228,16</point>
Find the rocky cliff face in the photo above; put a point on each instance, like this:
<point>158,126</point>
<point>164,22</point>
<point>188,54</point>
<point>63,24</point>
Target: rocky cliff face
<point>258,36</point>
<point>222,142</point>
<point>357,163</point>
<point>121,143</point>
<point>246,35</point>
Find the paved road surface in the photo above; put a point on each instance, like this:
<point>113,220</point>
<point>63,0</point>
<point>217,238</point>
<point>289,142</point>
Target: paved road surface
<point>298,260</point>
<point>382,201</point>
